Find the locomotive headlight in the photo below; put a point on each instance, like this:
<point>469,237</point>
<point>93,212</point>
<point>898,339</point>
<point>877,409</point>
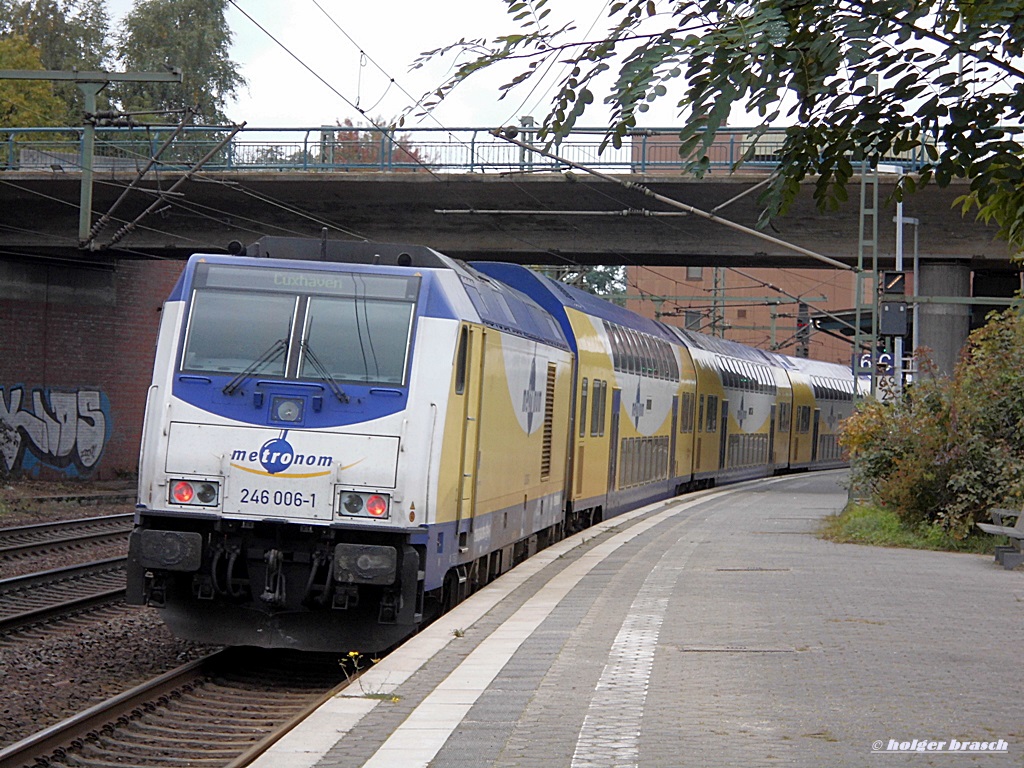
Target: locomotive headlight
<point>353,503</point>
<point>206,493</point>
<point>195,493</point>
<point>286,409</point>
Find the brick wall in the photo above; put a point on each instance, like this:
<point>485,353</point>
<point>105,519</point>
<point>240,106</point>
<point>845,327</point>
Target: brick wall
<point>76,356</point>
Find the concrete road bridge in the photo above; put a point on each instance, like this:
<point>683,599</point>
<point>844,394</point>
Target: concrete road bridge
<point>464,192</point>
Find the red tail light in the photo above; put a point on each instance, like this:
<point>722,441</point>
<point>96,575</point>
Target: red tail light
<point>195,493</point>
<point>182,492</point>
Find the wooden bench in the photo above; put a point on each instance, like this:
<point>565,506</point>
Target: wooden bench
<point>1012,555</point>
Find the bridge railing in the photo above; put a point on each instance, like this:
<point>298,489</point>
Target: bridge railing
<point>414,150</point>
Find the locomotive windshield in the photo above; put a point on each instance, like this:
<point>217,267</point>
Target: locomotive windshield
<point>300,324</point>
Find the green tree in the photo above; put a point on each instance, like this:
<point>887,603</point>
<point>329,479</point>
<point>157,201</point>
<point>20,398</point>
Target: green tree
<point>851,79</point>
<point>608,282</point>
<point>950,449</point>
<point>25,103</point>
<point>192,35</point>
<point>68,34</point>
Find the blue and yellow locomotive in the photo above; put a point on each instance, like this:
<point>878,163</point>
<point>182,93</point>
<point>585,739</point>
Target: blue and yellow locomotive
<point>345,439</point>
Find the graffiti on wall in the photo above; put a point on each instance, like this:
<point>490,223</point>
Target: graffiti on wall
<point>62,430</point>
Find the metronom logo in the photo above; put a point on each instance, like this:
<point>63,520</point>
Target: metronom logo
<point>278,455</point>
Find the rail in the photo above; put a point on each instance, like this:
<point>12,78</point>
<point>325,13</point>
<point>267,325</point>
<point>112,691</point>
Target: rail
<point>19,540</point>
<point>224,709</point>
<point>413,150</point>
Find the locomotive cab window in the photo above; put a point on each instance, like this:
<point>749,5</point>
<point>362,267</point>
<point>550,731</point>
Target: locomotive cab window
<point>461,362</point>
<point>296,324</point>
<point>228,332</point>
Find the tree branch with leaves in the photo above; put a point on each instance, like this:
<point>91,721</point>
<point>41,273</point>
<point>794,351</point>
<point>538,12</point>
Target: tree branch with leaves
<point>850,82</point>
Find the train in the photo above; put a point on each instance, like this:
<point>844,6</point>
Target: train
<point>342,440</point>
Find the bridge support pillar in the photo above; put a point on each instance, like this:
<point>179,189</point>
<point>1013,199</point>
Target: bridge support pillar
<point>944,325</point>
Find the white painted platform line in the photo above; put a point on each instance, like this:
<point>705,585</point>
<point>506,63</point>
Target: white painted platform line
<point>610,736</point>
<point>418,740</point>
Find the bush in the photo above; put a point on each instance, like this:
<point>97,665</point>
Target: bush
<point>949,449</point>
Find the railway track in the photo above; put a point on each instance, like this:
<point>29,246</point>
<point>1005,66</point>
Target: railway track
<point>30,540</point>
<point>221,710</point>
<point>39,597</point>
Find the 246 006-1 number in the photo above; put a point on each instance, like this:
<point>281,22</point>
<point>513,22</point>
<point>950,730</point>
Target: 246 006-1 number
<point>278,498</point>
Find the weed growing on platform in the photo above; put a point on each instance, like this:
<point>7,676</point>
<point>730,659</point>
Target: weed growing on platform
<point>353,666</point>
<point>868,524</point>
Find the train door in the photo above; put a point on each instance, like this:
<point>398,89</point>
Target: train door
<point>672,439</point>
<point>814,438</point>
<point>724,441</point>
<point>469,383</point>
<point>613,445</point>
<point>576,419</point>
<point>771,439</point>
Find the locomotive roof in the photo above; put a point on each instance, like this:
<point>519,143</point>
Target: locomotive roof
<point>345,251</point>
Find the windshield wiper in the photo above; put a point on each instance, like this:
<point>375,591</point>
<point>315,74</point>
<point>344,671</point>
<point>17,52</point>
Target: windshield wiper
<point>274,352</point>
<point>324,373</point>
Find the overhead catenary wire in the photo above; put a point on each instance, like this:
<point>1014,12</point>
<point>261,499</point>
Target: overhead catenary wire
<point>75,205</point>
<point>368,57</point>
<point>102,222</point>
<point>355,106</point>
<point>389,134</point>
<point>119,234</point>
<point>509,135</point>
<point>230,220</point>
<point>671,215</point>
<point>239,187</point>
<point>227,217</point>
<point>342,96</point>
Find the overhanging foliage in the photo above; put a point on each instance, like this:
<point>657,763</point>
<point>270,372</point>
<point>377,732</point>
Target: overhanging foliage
<point>851,80</point>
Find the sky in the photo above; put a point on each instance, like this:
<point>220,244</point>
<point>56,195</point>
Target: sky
<point>358,48</point>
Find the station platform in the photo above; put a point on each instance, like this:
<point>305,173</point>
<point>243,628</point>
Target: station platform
<point>715,629</point>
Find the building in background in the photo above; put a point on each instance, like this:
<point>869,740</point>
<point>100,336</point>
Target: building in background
<point>768,308</point>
